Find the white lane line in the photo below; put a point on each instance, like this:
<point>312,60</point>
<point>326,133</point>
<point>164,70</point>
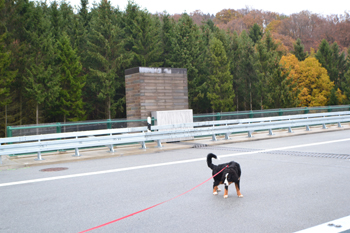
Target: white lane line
<point>335,226</point>
<point>164,164</point>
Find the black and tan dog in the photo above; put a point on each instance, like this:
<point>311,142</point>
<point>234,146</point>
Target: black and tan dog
<point>231,174</point>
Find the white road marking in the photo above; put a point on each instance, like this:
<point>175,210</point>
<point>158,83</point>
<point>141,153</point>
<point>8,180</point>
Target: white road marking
<point>338,225</point>
<point>164,164</point>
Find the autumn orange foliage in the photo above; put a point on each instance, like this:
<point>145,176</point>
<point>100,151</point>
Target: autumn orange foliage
<point>311,79</point>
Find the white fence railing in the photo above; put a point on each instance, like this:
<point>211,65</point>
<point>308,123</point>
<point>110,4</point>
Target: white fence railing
<point>111,137</point>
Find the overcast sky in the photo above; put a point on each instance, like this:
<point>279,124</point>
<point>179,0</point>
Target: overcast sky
<point>214,6</point>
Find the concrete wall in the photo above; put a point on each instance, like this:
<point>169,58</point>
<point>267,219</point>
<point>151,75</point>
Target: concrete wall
<point>154,89</point>
<point>174,117</point>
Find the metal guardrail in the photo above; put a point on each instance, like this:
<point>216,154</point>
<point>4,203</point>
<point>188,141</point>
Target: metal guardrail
<point>111,137</point>
<point>59,127</point>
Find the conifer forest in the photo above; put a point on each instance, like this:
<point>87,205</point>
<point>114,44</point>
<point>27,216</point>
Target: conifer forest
<point>60,63</point>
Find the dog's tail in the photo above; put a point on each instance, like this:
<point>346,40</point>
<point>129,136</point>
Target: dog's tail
<point>209,158</point>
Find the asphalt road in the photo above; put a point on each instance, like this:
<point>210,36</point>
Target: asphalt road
<point>288,184</point>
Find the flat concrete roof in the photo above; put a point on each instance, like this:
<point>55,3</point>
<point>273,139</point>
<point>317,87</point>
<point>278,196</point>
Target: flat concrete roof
<point>155,70</point>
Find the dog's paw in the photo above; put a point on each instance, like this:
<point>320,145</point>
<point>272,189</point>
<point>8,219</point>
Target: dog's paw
<point>225,196</point>
<point>219,190</point>
<point>240,195</point>
<point>215,193</point>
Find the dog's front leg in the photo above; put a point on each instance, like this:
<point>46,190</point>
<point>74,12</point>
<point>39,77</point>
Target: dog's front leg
<point>226,191</point>
<point>239,194</point>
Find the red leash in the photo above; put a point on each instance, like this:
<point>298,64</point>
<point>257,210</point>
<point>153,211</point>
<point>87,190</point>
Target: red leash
<point>116,220</point>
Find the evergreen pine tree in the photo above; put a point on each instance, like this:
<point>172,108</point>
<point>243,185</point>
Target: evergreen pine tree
<point>68,20</point>
<point>220,92</point>
<point>333,100</point>
<point>249,70</point>
<point>6,75</point>
<point>84,13</point>
<point>224,38</point>
<point>299,50</point>
<point>143,37</point>
<point>255,33</point>
<point>324,55</point>
<point>335,64</point>
<point>147,42</point>
<point>345,85</point>
<point>187,52</point>
<point>15,18</point>
<point>272,88</point>
<point>199,85</point>
<point>79,36</point>
<point>41,80</point>
<point>279,92</point>
<point>130,25</point>
<point>233,56</point>
<point>337,71</point>
<point>107,61</point>
<point>56,20</point>
<point>167,37</point>
<point>70,104</point>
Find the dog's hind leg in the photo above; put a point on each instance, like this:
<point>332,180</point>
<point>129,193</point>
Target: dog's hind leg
<point>239,194</point>
<point>216,188</point>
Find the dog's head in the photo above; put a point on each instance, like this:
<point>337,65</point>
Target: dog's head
<point>231,176</point>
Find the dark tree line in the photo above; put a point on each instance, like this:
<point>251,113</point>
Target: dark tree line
<point>59,64</point>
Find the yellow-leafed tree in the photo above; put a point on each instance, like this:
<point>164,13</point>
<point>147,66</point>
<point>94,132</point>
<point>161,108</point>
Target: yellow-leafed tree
<point>312,81</point>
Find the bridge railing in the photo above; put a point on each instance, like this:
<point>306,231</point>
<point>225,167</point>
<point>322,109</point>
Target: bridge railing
<point>112,137</point>
<point>61,127</point>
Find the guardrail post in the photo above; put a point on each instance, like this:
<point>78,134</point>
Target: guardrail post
<point>77,154</point>
<point>329,109</point>
<point>251,114</point>
<point>159,144</point>
<point>39,155</point>
<point>111,147</point>
<point>280,112</point>
<point>227,136</point>
<point>290,130</point>
<point>143,145</point>
<point>213,137</point>
<point>109,124</point>
<point>308,128</point>
<point>58,128</point>
<point>250,134</point>
<point>339,125</point>
<point>218,116</point>
<point>306,111</point>
<point>9,131</point>
<point>270,132</point>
